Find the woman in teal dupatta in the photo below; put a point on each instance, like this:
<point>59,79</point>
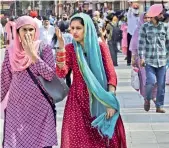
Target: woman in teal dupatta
<point>92,112</point>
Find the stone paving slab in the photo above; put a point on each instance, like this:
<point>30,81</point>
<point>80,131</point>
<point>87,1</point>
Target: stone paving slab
<point>162,136</point>
<point>164,145</point>
<point>160,126</point>
<point>145,145</point>
<point>143,129</point>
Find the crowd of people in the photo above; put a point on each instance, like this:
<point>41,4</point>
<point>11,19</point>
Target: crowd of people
<point>85,45</point>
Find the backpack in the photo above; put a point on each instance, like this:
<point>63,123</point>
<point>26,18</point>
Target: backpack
<point>117,34</point>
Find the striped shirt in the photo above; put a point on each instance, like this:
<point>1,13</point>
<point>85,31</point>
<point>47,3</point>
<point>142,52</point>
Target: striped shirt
<point>154,44</point>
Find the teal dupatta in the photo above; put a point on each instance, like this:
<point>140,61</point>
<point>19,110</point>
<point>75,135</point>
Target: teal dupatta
<point>93,72</point>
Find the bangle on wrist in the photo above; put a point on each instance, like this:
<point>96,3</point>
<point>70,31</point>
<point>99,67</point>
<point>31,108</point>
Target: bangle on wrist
<point>60,63</point>
<point>60,59</point>
<point>60,54</point>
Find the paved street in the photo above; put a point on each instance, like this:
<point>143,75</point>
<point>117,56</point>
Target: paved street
<point>144,130</point>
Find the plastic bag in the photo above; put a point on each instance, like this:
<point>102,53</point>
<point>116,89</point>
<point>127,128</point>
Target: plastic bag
<point>135,82</point>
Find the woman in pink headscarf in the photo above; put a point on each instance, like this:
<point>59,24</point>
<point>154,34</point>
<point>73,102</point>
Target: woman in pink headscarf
<point>135,58</point>
<point>9,30</point>
<point>29,116</point>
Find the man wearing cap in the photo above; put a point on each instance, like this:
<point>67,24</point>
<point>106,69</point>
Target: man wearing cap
<point>34,15</point>
<point>153,51</point>
<point>47,31</point>
<point>97,18</point>
<point>86,9</point>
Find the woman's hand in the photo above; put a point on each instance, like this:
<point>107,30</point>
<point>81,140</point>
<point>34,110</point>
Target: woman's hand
<point>142,63</point>
<point>29,47</point>
<point>60,38</point>
<point>60,62</point>
<point>112,89</point>
<point>133,61</point>
<point>110,113</point>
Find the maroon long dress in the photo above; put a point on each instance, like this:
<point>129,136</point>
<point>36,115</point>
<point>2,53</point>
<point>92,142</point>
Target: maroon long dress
<point>76,130</point>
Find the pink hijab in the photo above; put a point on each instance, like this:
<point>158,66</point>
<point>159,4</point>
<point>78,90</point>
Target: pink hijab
<point>19,60</point>
<point>8,30</point>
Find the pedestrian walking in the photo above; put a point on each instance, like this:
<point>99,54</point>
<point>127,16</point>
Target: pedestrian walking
<point>29,117</point>
<point>154,46</point>
<point>91,116</point>
<point>136,60</point>
<point>132,20</point>
<point>114,33</point>
<point>34,15</point>
<point>46,31</point>
<point>99,31</point>
<point>124,39</point>
<point>9,30</point>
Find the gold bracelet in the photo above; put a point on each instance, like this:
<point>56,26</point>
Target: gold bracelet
<point>61,56</point>
<point>60,62</point>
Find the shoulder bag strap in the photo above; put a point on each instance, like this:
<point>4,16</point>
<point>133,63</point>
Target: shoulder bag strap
<point>42,91</point>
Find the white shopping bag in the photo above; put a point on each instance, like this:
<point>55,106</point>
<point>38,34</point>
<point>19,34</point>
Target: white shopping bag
<point>135,82</point>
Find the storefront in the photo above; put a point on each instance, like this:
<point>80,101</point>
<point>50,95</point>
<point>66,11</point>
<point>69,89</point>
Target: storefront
<point>6,7</point>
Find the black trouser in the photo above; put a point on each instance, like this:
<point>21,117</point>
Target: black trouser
<point>129,36</point>
<point>68,78</point>
<point>113,51</point>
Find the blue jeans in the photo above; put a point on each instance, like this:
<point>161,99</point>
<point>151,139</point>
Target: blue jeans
<point>155,76</point>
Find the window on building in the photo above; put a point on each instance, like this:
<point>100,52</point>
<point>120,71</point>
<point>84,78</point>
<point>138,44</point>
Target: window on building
<point>116,5</point>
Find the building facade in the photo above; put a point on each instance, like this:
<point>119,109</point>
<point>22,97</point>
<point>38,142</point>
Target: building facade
<point>57,7</point>
<point>104,5</point>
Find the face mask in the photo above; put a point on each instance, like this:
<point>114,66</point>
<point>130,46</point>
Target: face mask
<point>135,11</point>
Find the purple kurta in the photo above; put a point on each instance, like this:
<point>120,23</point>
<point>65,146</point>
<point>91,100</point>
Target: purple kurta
<point>29,119</point>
